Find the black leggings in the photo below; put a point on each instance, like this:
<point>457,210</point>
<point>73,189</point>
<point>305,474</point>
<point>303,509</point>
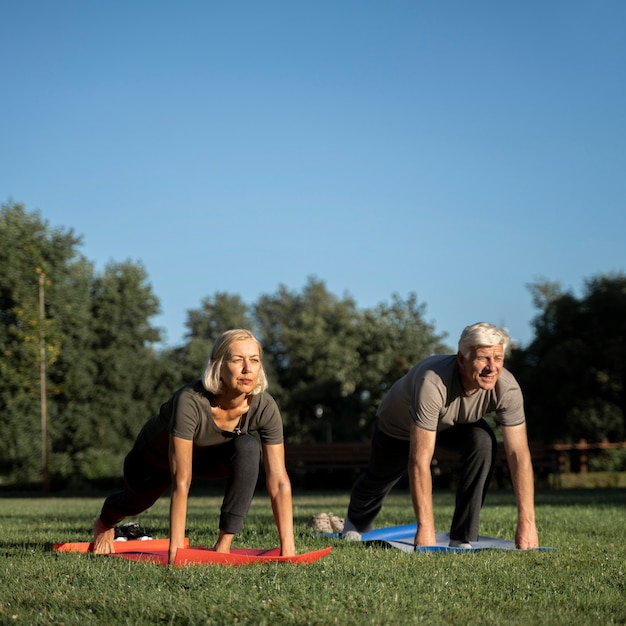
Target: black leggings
<point>388,463</point>
<point>144,482</point>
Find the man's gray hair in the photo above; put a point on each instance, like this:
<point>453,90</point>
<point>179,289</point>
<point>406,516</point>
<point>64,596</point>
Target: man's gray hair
<point>482,334</point>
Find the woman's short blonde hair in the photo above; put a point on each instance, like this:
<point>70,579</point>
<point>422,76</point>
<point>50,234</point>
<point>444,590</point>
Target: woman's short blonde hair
<point>482,334</point>
<point>211,378</point>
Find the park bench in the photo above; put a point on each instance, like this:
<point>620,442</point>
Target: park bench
<point>355,455</point>
<point>556,458</point>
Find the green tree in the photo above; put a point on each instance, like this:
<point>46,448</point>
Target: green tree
<point>332,362</point>
<point>70,378</point>
<point>393,338</point>
<point>29,248</point>
<point>573,373</point>
<point>312,341</point>
<point>125,389</point>
<point>103,374</point>
<point>216,314</point>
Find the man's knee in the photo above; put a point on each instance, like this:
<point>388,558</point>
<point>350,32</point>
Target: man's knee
<point>485,438</point>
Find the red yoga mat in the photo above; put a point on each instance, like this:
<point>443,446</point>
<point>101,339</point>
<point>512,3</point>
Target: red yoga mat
<point>155,551</point>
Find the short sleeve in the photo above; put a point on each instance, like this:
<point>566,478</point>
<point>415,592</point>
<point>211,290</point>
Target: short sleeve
<point>427,404</point>
<point>186,415</point>
<point>510,407</point>
<point>268,421</point>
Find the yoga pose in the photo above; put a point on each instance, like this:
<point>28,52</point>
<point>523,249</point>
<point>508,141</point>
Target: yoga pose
<point>204,430</point>
<point>443,400</point>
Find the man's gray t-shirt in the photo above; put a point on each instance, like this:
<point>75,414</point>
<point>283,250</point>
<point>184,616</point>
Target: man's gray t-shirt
<point>431,395</point>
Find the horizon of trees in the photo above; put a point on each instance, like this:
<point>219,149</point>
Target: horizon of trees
<point>329,363</point>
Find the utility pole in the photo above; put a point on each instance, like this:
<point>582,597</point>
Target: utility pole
<point>42,382</point>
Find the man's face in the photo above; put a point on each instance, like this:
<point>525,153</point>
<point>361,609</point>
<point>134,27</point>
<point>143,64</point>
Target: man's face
<point>482,369</point>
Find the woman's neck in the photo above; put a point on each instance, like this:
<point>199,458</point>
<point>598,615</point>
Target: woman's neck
<point>228,402</point>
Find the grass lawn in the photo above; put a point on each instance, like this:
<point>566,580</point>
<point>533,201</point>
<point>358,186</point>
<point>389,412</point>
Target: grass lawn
<point>581,582</point>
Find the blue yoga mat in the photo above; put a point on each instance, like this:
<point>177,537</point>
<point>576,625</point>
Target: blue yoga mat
<point>401,538</point>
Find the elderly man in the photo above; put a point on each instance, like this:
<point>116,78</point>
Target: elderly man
<point>443,400</point>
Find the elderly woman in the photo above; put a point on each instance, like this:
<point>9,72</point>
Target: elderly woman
<point>204,430</point>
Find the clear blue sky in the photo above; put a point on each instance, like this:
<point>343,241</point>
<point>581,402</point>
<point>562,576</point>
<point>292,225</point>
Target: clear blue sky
<point>458,150</point>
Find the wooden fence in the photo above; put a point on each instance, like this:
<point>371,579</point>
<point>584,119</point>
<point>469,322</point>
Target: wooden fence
<point>575,456</point>
<point>552,458</point>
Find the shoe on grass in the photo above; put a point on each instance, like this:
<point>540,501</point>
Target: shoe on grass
<point>350,531</point>
<point>131,531</point>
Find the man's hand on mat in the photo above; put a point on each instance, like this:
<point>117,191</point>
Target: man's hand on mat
<point>425,536</point>
<point>103,538</point>
<point>526,536</point>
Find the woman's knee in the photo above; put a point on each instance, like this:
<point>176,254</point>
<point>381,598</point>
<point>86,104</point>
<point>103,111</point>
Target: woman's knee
<point>246,444</point>
<point>246,449</point>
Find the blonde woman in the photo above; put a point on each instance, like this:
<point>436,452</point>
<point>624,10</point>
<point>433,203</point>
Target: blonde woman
<point>204,430</point>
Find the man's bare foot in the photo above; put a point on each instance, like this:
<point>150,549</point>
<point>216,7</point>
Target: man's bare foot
<point>103,538</point>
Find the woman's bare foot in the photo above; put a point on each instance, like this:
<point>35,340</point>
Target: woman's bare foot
<point>223,543</point>
<point>103,538</point>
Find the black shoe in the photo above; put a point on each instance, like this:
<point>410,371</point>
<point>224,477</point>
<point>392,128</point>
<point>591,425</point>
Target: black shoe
<point>130,532</point>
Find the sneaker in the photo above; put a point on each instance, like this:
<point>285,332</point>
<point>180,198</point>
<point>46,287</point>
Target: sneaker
<point>336,523</point>
<point>321,523</point>
<point>350,532</point>
<point>351,535</point>
<point>457,543</point>
<point>130,531</point>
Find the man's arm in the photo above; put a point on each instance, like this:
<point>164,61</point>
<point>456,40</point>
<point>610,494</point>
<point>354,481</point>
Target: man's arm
<point>421,483</point>
<point>521,468</point>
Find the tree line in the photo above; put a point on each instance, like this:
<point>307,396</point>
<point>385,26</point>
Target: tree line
<point>88,337</point>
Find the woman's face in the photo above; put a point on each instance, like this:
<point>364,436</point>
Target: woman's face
<point>241,367</point>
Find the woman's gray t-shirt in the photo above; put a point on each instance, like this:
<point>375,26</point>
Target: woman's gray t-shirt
<point>187,414</point>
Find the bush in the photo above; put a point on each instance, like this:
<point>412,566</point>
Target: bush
<point>608,461</point>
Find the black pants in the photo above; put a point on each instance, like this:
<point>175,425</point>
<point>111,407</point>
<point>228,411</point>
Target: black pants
<point>388,462</point>
<point>145,483</point>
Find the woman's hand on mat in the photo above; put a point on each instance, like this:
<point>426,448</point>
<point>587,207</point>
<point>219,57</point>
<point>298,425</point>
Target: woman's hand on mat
<point>173,549</point>
<point>288,549</point>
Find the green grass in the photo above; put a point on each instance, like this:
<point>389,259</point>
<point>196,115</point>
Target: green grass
<point>581,582</point>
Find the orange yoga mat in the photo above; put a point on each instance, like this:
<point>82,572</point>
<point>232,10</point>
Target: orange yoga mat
<point>155,551</point>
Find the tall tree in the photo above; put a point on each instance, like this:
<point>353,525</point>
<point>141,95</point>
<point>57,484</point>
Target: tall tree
<point>333,362</point>
<point>29,249</point>
<point>123,393</point>
<point>394,337</point>
<point>102,373</point>
<point>216,314</point>
<point>573,373</point>
<point>312,343</point>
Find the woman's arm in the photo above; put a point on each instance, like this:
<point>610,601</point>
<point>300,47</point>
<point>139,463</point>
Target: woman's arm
<point>181,453</point>
<point>279,489</point>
